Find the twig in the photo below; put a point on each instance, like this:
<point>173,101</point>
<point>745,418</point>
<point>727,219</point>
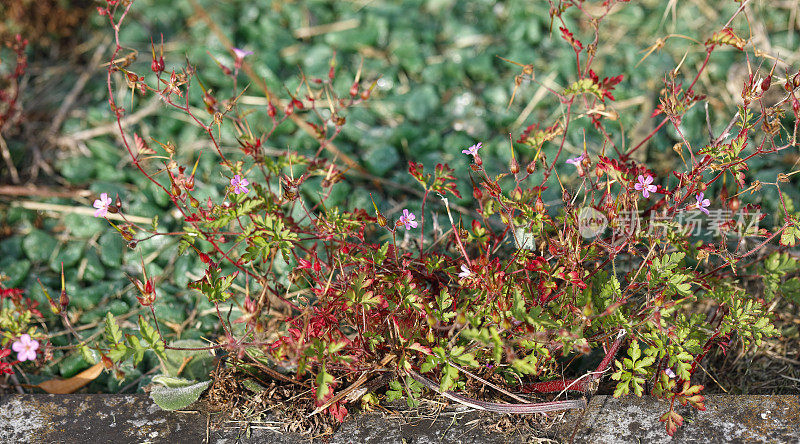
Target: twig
<point>38,206</point>
<point>12,170</point>
<point>483,381</point>
<point>311,31</point>
<point>359,382</point>
<point>69,100</point>
<point>41,191</point>
<point>542,407</point>
<point>91,133</point>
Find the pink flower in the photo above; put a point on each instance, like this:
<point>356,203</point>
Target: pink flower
<point>241,53</point>
<point>644,185</point>
<point>670,373</point>
<point>702,203</point>
<point>407,219</point>
<point>25,348</point>
<point>239,184</point>
<point>473,150</point>
<point>576,160</point>
<point>102,205</point>
<point>465,273</point>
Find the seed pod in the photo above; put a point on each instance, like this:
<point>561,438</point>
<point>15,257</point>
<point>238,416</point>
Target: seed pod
<point>64,299</point>
<point>766,83</point>
<point>531,167</point>
<point>354,89</point>
<point>271,110</point>
<point>539,205</point>
<point>734,204</point>
<point>513,167</point>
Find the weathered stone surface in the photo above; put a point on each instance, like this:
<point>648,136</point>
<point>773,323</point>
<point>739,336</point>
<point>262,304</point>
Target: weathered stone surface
<point>727,419</point>
<point>134,418</point>
<point>94,419</point>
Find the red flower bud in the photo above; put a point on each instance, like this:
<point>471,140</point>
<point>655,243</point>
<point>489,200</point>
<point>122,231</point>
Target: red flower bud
<point>354,89</point>
<point>271,110</point>
<point>766,83</point>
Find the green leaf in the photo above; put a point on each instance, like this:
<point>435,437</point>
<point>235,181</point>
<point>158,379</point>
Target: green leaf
<point>112,332</point>
<point>324,380</point>
<point>38,245</point>
<point>790,236</point>
<point>176,393</point>
<point>199,363</point>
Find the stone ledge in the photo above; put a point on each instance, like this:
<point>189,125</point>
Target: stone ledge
<point>134,418</point>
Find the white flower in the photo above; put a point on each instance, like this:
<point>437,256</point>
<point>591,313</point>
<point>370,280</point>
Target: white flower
<point>465,273</point>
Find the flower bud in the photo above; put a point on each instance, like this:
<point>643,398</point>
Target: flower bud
<point>513,167</point>
<point>289,109</point>
<point>477,193</point>
<point>531,167</point>
<point>354,89</point>
<point>297,104</point>
<point>271,110</point>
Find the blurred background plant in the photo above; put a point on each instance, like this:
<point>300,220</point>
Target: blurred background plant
<point>440,86</point>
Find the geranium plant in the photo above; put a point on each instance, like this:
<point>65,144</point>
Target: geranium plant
<point>502,293</point>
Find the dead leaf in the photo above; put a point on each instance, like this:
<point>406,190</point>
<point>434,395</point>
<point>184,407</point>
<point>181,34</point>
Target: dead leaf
<point>71,385</point>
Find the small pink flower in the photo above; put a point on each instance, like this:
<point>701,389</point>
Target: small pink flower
<point>239,184</point>
<point>465,273</point>
<point>670,373</point>
<point>473,150</point>
<point>407,219</point>
<point>102,205</point>
<point>702,203</point>
<point>241,53</point>
<point>576,160</point>
<point>644,185</point>
<point>25,348</point>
